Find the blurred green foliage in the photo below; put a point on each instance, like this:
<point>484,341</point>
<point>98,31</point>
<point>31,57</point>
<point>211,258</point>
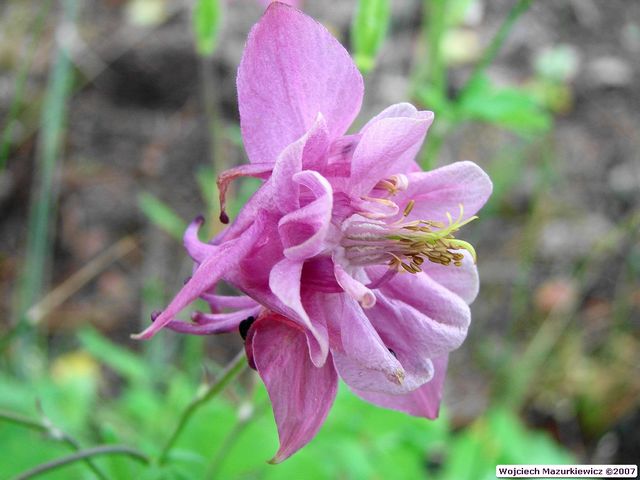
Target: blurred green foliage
<point>361,441</point>
<point>206,25</point>
<point>368,31</point>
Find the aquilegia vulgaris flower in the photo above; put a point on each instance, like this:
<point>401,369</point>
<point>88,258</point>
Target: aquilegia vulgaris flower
<point>347,254</point>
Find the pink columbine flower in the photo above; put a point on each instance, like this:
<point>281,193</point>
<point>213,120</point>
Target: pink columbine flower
<point>347,253</point>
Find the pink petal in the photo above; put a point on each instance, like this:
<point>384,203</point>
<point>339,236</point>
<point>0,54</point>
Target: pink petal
<point>292,69</point>
<point>443,190</point>
<point>462,281</point>
<point>418,309</point>
<point>226,257</point>
<point>423,402</point>
<point>303,231</point>
<point>360,356</point>
<point>311,146</point>
<point>403,109</point>
<point>284,282</point>
<point>301,394</point>
<point>387,147</point>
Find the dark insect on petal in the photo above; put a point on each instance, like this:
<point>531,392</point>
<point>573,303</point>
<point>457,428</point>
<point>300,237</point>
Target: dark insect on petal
<point>244,326</point>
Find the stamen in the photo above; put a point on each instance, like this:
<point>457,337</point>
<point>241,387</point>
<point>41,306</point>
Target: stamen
<point>408,208</point>
<point>405,246</point>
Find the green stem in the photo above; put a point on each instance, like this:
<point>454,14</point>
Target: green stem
<point>230,372</point>
<point>53,431</point>
<point>491,52</point>
<point>84,455</point>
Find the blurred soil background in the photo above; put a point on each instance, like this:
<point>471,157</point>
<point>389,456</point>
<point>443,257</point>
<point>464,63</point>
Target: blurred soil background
<point>556,327</point>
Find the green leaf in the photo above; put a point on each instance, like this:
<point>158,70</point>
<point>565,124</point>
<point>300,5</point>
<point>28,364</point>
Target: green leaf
<point>206,25</point>
<point>160,214</point>
<point>369,28</point>
<point>512,108</point>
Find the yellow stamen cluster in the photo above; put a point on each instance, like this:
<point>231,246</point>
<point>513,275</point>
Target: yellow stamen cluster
<point>427,240</point>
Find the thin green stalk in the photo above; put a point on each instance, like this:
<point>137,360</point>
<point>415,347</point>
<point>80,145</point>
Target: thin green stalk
<point>83,455</point>
<point>54,432</point>
<point>491,52</point>
<point>42,212</point>
<point>232,370</point>
<point>20,84</point>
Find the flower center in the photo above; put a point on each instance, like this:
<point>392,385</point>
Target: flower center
<point>405,245</point>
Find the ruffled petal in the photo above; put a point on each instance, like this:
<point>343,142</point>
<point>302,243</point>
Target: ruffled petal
<point>311,146</point>
<point>422,402</point>
<point>284,282</point>
<point>301,394</point>
<point>303,231</point>
<point>226,257</point>
<point>444,189</point>
<point>361,357</point>
<point>292,69</point>
<point>417,314</point>
<point>387,147</point>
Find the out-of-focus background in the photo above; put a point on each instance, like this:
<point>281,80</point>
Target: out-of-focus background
<point>114,123</point>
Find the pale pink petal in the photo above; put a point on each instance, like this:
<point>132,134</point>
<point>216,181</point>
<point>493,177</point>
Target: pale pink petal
<point>284,282</point>
<point>301,394</point>
<point>423,402</point>
<point>361,357</point>
<point>413,337</point>
<point>387,147</point>
<point>292,69</point>
<point>462,280</point>
<point>419,301</point>
<point>402,109</point>
<point>443,190</point>
<point>226,257</point>
<point>303,231</point>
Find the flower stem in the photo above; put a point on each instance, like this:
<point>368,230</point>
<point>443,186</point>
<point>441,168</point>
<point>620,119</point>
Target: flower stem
<point>84,455</point>
<point>230,372</point>
<point>54,432</point>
